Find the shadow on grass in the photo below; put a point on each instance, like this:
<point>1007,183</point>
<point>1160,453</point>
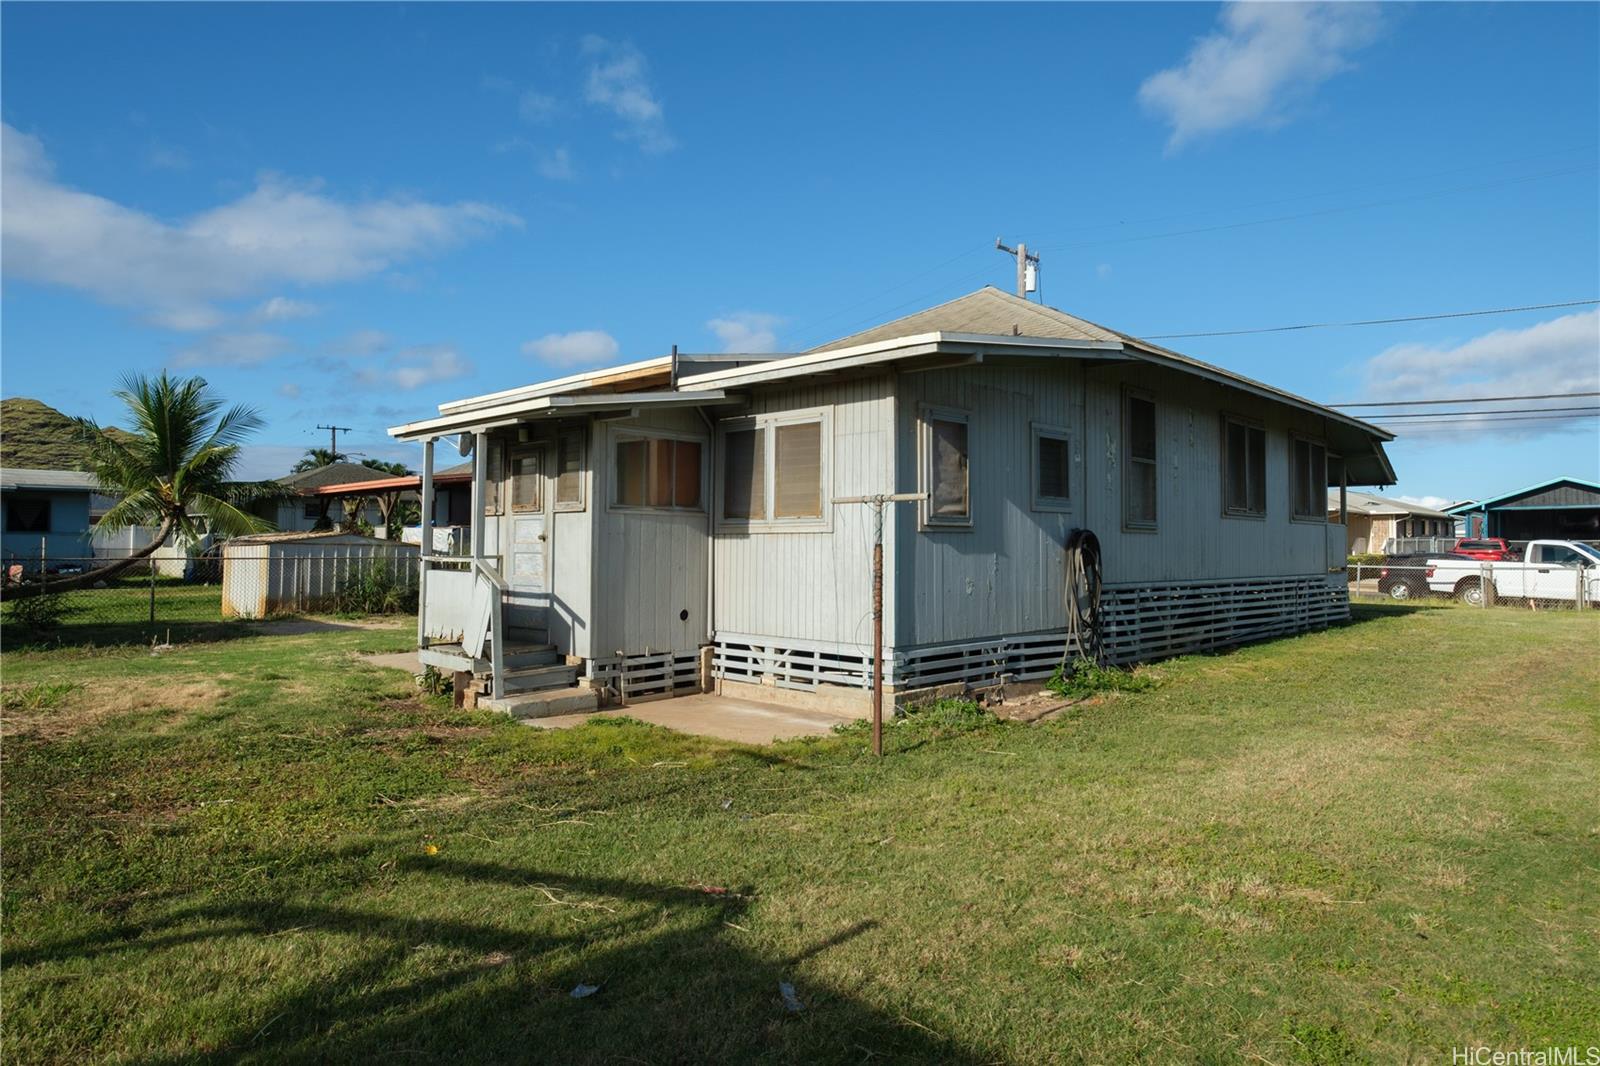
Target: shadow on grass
<point>16,637</point>
<point>680,980</point>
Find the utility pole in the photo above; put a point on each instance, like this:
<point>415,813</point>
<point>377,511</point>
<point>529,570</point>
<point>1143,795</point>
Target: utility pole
<point>876,503</point>
<point>1027,267</point>
<point>333,440</point>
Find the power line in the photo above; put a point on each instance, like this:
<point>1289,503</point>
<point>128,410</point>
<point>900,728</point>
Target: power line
<point>1467,399</point>
<point>1373,321</point>
<point>1491,418</point>
<point>1478,414</point>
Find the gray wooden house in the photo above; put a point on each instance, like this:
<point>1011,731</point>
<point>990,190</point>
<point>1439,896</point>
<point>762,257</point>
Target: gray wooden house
<point>637,515</point>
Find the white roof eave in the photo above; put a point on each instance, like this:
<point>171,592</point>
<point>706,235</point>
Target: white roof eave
<point>507,414</point>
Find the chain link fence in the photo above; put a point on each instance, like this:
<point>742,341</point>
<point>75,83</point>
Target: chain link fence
<point>209,595</point>
<point>1479,584</point>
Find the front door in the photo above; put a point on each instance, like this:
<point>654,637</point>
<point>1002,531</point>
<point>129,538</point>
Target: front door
<point>528,553</point>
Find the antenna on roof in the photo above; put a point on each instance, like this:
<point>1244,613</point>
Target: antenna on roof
<point>1027,267</point>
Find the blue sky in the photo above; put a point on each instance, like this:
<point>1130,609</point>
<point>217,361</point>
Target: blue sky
<point>350,213</point>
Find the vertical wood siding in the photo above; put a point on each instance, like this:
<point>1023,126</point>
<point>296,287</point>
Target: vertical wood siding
<point>816,585</point>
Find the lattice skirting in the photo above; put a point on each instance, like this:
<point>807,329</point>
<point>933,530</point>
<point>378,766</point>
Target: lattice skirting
<point>1139,623</point>
<point>1143,622</point>
<point>630,678</point>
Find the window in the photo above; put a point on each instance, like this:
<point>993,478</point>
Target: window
<point>569,470</point>
<point>1561,555</point>
<point>662,473</point>
<point>1244,471</point>
<point>527,480</point>
<point>1308,481</point>
<point>1139,478</point>
<point>313,509</point>
<point>27,516</point>
<point>797,471</point>
<point>494,461</point>
<point>774,470</point>
<point>945,468</point>
<point>744,466</point>
<point>1052,464</point>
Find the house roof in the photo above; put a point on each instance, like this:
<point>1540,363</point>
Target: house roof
<point>331,474</point>
<point>988,311</point>
<point>58,480</point>
<point>403,483</point>
<point>324,534</point>
<point>1485,504</point>
<point>1368,504</point>
<point>984,324</point>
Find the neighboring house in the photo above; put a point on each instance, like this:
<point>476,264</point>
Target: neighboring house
<point>1563,508</point>
<point>642,513</point>
<point>305,507</point>
<point>1381,524</point>
<point>47,514</point>
<point>452,500</point>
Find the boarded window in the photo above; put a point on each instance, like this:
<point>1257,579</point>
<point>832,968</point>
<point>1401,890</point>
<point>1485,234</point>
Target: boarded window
<point>686,474</point>
<point>797,471</point>
<point>527,481</point>
<point>1308,480</point>
<point>1052,461</point>
<point>1140,472</point>
<point>631,457</point>
<point>744,467</point>
<point>569,469</point>
<point>1244,489</point>
<point>948,496</point>
<point>33,516</point>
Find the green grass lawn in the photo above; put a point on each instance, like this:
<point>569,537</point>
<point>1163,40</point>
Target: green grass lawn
<point>120,614</point>
<point>1373,843</point>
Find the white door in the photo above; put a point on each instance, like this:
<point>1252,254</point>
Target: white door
<point>1553,572</point>
<point>528,553</point>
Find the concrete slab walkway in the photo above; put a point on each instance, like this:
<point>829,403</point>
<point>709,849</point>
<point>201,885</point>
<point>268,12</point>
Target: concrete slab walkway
<point>707,715</point>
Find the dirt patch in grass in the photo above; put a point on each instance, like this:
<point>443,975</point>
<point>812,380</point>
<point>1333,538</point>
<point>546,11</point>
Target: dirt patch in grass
<point>84,707</point>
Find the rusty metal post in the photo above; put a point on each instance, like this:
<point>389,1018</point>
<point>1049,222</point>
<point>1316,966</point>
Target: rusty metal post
<point>877,629</point>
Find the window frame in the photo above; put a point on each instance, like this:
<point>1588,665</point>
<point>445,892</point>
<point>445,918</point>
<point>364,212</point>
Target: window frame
<point>46,514</point>
<point>619,435</point>
<point>557,504</point>
<point>1130,525</point>
<point>512,455</point>
<point>927,521</point>
<point>1249,425</point>
<point>767,425</point>
<point>1321,491</point>
<point>1043,431</point>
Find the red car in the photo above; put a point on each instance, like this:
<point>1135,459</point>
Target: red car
<point>1490,549</point>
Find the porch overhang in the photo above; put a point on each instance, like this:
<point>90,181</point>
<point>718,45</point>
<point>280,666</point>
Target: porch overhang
<point>531,409</point>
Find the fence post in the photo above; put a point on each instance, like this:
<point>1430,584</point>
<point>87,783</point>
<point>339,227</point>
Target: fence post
<point>152,590</point>
<point>1582,587</point>
<point>1486,584</point>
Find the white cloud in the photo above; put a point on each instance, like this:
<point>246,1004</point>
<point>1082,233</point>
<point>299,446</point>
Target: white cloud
<point>1264,56</point>
<point>1102,270</point>
<point>413,367</point>
<point>557,165</point>
<point>233,349</point>
<point>362,342</point>
<point>537,107</point>
<point>160,157</point>
<point>282,309</point>
<point>747,331</point>
<point>187,319</point>
<point>289,390</point>
<point>1432,503</point>
<point>619,81</point>
<point>580,348</point>
<point>280,232</point>
<point>1558,356</point>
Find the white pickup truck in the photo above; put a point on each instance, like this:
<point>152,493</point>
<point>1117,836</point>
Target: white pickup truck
<point>1548,570</point>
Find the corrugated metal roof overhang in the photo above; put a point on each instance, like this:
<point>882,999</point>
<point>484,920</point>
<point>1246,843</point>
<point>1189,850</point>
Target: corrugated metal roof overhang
<point>509,414</point>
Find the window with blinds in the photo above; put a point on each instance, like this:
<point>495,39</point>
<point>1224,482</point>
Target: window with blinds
<point>1308,481</point>
<point>1244,472</point>
<point>1140,473</point>
<point>1052,461</point>
<point>661,473</point>
<point>797,471</point>
<point>569,470</point>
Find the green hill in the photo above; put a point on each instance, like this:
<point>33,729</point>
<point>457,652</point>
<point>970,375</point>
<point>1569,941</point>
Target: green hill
<point>35,436</point>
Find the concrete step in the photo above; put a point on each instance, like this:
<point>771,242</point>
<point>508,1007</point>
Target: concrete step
<point>546,703</point>
<point>532,678</point>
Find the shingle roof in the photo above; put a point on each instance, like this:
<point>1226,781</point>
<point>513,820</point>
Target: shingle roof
<point>987,311</point>
<point>1369,504</point>
<point>333,474</point>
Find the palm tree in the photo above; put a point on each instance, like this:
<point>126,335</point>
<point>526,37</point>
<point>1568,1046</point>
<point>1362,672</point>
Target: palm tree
<point>178,462</point>
<point>397,469</point>
<point>317,458</point>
